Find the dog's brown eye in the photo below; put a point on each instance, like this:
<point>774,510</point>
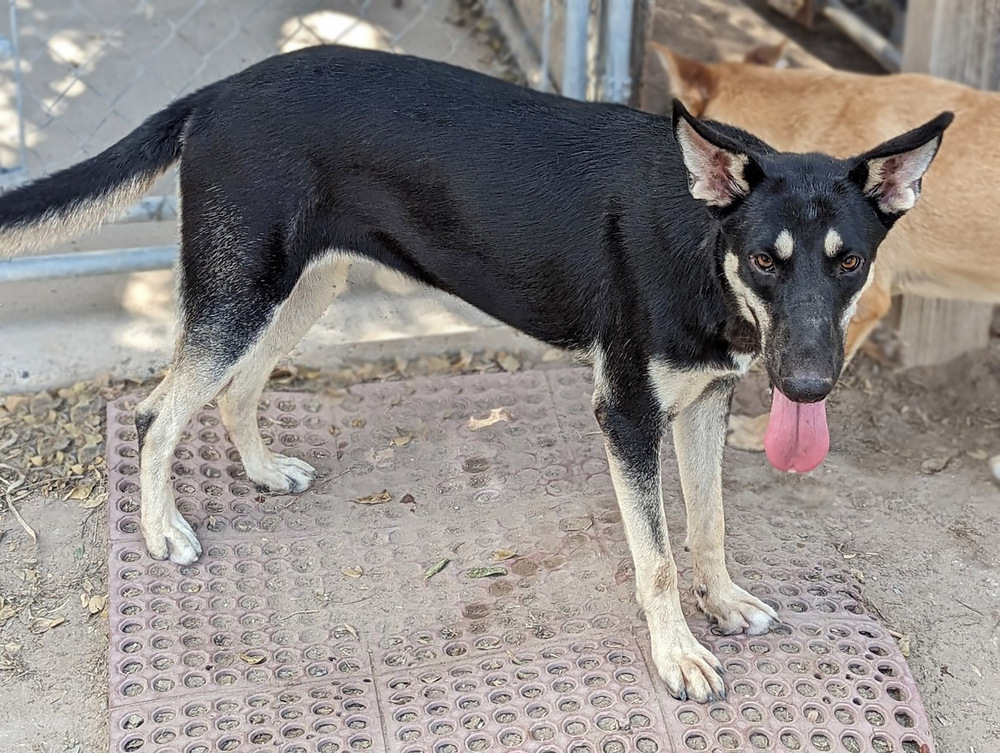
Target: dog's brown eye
<point>850,263</point>
<point>763,262</point>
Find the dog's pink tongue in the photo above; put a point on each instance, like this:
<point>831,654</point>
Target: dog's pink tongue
<point>797,437</point>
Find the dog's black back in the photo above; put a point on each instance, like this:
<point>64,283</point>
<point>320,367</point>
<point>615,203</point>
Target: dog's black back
<point>520,203</point>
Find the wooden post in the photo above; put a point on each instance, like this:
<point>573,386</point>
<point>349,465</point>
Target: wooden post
<point>957,40</point>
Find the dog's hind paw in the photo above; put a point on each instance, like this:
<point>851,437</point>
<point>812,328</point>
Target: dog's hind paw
<point>736,611</point>
<point>173,538</point>
<point>747,432</point>
<point>283,475</point>
<point>690,671</point>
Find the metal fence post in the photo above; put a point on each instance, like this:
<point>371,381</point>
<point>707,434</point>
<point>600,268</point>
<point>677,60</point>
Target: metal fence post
<point>617,85</point>
<point>574,82</point>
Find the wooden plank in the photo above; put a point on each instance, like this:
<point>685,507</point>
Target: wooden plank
<point>936,331</point>
<point>958,40</point>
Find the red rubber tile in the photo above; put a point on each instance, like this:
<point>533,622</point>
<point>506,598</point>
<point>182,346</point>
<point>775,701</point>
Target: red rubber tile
<point>309,625</point>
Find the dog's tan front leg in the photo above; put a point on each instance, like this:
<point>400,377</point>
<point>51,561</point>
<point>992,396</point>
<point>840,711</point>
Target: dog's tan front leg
<point>632,438</point>
<point>699,436</point>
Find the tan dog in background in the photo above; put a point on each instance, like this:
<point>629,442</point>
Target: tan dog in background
<point>948,248</point>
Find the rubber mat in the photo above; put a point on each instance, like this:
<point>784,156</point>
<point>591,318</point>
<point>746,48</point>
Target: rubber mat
<point>457,580</point>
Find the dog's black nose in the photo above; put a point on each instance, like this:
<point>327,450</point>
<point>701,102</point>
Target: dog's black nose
<point>806,386</point>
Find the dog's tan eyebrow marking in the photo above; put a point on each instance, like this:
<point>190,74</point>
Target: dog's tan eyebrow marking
<point>783,245</point>
<point>832,243</point>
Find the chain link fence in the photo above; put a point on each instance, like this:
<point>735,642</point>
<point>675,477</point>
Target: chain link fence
<point>77,75</point>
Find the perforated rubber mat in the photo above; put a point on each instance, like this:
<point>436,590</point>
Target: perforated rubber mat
<point>320,623</point>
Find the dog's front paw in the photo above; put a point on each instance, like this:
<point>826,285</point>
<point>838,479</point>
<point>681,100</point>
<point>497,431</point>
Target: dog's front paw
<point>283,474</point>
<point>735,610</point>
<point>747,432</point>
<point>690,671</point>
<point>173,538</point>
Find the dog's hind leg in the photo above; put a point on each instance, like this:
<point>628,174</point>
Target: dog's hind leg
<point>317,287</point>
<point>699,436</point>
<point>632,422</point>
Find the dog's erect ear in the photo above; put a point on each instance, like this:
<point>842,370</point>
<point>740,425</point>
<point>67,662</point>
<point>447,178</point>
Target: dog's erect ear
<point>691,82</point>
<point>890,174</point>
<point>721,171</point>
<point>767,55</point>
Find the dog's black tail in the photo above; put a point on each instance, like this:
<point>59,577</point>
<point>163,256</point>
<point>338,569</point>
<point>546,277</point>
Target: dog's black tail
<point>79,198</point>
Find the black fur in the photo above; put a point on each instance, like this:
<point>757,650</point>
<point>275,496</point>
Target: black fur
<point>143,421</point>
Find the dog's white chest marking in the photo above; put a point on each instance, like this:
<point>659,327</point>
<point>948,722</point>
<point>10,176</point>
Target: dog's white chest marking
<point>677,388</point>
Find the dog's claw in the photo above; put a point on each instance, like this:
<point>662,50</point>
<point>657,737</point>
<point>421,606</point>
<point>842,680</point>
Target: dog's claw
<point>282,474</point>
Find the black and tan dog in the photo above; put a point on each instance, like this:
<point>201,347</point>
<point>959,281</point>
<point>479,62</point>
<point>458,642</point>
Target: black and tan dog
<point>671,252</point>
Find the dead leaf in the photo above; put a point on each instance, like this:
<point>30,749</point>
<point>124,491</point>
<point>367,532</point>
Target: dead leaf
<point>253,659</point>
<point>437,567</point>
<point>378,498</point>
<point>358,423</point>
<point>934,465</point>
<point>408,499</point>
<point>509,363</point>
<point>350,629</point>
<point>513,659</point>
<point>401,441</point>
<point>487,572</point>
<point>496,415</point>
<point>503,554</point>
<point>904,646</point>
<point>96,604</point>
<point>353,572</point>
<point>81,491</point>
<point>978,454</point>
<point>44,624</point>
<point>577,524</point>
<point>6,611</point>
<point>95,501</point>
<point>859,575</point>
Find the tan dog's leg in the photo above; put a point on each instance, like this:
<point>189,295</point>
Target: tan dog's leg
<point>747,432</point>
<point>699,433</point>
